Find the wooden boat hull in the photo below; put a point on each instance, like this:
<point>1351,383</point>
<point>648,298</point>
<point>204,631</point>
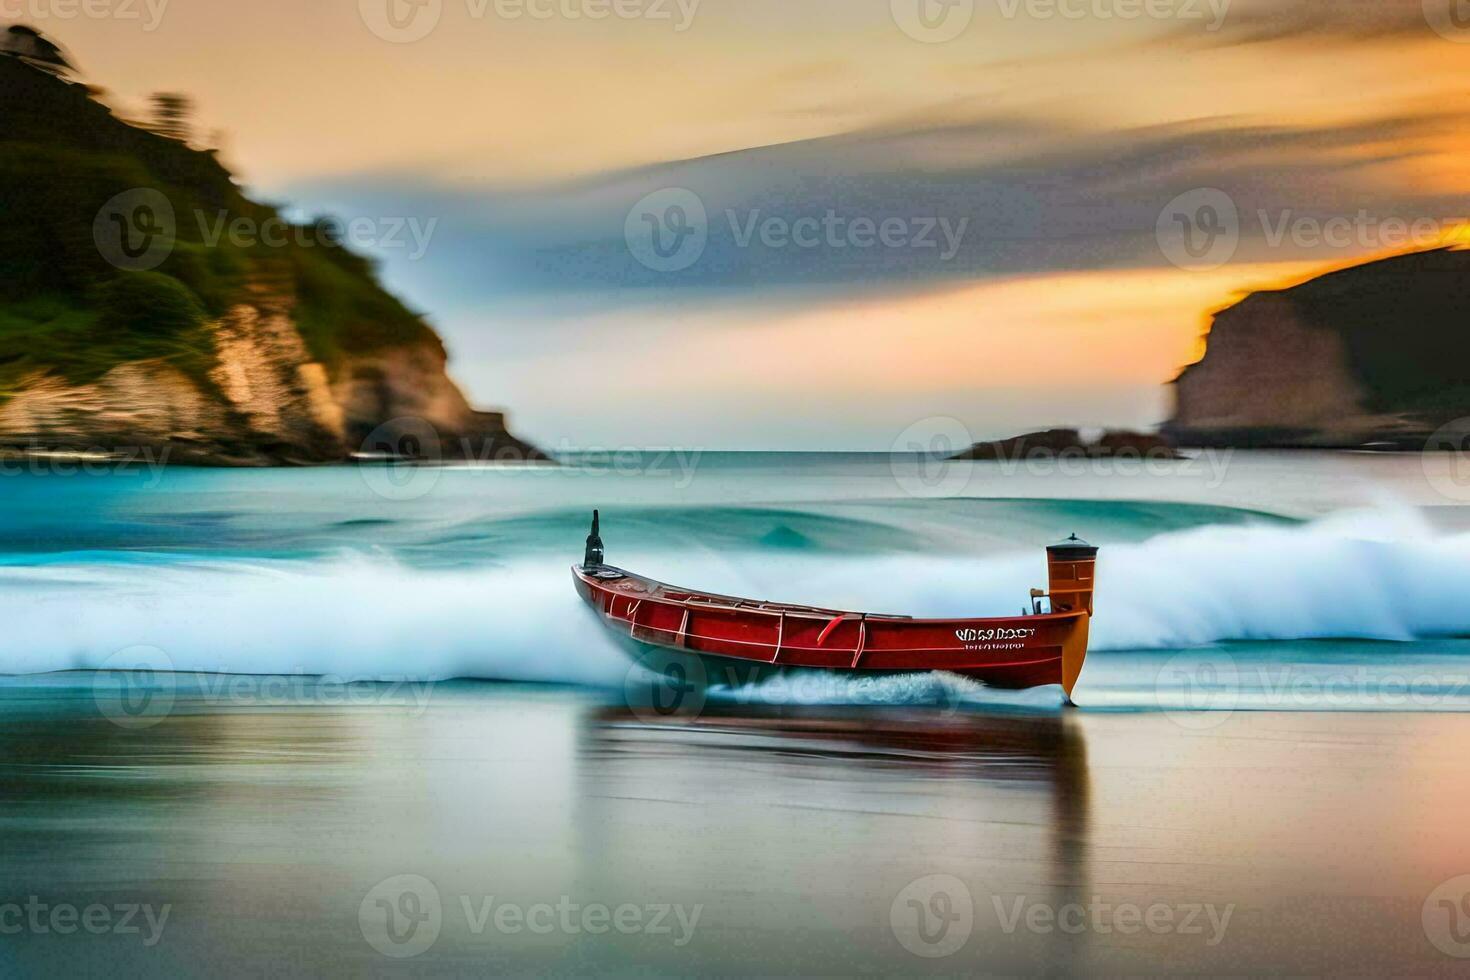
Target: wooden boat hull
<point>727,640</point>
<point>735,672</point>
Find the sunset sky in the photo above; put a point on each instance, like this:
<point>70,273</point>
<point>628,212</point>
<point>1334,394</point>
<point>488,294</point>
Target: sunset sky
<point>1052,151</point>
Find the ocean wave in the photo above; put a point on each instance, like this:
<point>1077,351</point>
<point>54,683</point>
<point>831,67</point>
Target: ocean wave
<point>1369,575</point>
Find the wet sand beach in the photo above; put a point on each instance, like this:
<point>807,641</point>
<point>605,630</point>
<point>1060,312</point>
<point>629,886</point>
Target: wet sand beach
<point>508,828</point>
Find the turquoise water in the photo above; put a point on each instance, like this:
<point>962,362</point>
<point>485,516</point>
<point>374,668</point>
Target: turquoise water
<point>1350,573</point>
<point>283,779</point>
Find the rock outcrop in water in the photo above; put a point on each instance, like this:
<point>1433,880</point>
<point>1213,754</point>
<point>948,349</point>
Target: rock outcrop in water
<point>1065,443</point>
<point>1373,354</point>
<point>276,348</point>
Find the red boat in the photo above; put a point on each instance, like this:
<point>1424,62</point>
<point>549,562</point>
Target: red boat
<point>739,641</point>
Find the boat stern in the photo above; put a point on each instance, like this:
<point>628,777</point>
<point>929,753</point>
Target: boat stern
<point>1071,574</point>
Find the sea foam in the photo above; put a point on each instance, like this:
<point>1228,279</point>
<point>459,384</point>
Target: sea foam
<point>1375,575</point>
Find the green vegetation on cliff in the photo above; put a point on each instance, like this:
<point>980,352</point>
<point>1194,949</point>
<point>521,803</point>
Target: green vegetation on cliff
<point>66,309</point>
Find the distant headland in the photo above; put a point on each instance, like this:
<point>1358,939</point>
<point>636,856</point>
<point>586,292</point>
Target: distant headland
<point>1373,355</point>
<point>1368,357</point>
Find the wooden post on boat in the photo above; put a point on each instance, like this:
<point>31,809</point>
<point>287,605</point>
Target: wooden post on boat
<point>1070,568</point>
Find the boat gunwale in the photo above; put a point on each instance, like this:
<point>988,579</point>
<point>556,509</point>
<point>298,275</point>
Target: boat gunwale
<point>793,610</point>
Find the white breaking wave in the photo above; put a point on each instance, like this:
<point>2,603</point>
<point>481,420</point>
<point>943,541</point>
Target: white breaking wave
<point>1373,575</point>
<point>933,689</point>
<point>349,618</point>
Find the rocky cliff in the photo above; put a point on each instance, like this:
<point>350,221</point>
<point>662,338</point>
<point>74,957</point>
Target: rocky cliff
<point>1373,354</point>
<point>255,351</point>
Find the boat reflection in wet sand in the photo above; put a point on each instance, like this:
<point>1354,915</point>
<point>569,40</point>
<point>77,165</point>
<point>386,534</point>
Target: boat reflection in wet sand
<point>743,641</point>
